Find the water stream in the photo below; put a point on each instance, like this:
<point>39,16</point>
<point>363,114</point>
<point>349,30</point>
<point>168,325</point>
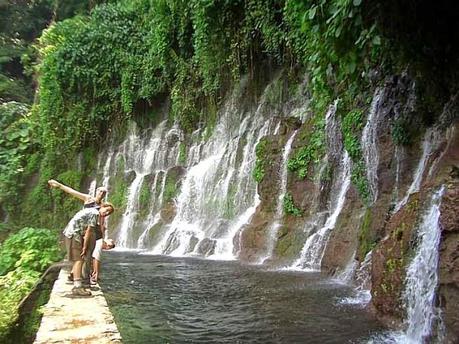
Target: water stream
<point>419,172</point>
<point>423,317</point>
<point>370,144</point>
<point>313,250</point>
<point>274,227</point>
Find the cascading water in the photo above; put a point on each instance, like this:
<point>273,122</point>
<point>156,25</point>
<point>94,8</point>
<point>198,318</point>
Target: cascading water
<point>422,278</point>
<point>106,169</point>
<point>370,144</point>
<point>92,188</point>
<point>129,214</point>
<point>347,274</point>
<point>274,227</point>
<point>417,179</point>
<point>312,253</point>
<point>143,155</point>
<point>362,278</point>
<point>218,194</point>
<point>154,214</point>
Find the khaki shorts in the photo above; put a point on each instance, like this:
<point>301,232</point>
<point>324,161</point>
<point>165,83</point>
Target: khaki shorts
<point>74,249</point>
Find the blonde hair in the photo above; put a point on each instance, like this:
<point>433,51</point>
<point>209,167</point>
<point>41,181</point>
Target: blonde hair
<point>108,204</point>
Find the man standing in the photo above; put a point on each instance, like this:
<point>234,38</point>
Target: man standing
<point>79,233</point>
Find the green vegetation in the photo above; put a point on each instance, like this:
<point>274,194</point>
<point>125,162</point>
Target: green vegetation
<point>145,199</point>
<point>118,60</point>
<point>312,150</point>
<point>258,172</point>
<point>182,154</point>
<point>20,24</point>
<point>105,64</point>
<point>290,207</point>
<point>15,144</point>
<point>366,240</point>
<point>359,179</point>
<point>119,195</point>
<point>172,185</point>
<point>352,125</point>
<point>230,201</point>
<point>30,322</point>
<point>23,257</point>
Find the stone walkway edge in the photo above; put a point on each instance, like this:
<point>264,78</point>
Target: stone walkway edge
<point>71,319</point>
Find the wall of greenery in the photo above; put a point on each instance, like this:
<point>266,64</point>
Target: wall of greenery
<point>97,70</point>
<point>24,256</point>
<point>110,61</point>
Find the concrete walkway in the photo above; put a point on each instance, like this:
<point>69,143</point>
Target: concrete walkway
<point>69,319</point>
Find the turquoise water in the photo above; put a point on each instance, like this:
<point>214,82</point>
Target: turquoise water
<point>158,299</point>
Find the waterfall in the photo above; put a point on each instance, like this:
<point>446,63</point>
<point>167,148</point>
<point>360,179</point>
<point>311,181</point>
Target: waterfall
<point>370,144</point>
<point>218,195</point>
<point>129,214</point>
<point>334,137</point>
<point>224,248</point>
<point>422,276</point>
<point>417,178</point>
<point>143,156</point>
<point>156,203</point>
<point>362,277</point>
<point>106,169</point>
<point>92,188</point>
<point>274,227</point>
<point>312,253</point>
<point>347,274</point>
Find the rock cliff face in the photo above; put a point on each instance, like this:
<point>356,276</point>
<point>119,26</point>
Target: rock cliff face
<point>407,175</point>
<point>199,196</point>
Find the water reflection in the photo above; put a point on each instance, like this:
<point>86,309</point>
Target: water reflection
<point>157,299</point>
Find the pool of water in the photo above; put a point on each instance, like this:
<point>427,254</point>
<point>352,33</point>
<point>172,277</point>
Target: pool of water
<point>158,299</point>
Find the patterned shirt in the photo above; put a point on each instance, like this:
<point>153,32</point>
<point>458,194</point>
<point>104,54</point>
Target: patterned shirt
<point>78,224</point>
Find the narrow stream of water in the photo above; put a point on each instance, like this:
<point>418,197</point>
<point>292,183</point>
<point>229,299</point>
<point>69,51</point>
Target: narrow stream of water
<point>159,299</point>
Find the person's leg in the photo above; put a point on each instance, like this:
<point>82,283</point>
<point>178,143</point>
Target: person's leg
<point>87,260</point>
<point>96,266</point>
<point>68,248</point>
<point>76,248</point>
<point>77,265</point>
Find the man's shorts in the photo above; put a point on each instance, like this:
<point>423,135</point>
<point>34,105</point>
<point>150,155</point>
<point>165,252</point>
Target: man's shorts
<point>74,249</point>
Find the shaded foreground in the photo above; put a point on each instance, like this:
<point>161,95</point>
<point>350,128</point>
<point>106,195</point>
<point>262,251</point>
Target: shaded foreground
<point>158,299</point>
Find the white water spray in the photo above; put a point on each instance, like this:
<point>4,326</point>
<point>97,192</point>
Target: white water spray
<point>370,144</point>
<point>312,253</point>
<point>417,179</point>
<point>422,277</point>
<point>274,227</point>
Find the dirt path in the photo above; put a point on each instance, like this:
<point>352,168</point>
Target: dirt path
<point>69,319</point>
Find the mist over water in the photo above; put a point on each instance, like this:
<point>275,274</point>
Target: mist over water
<point>159,299</point>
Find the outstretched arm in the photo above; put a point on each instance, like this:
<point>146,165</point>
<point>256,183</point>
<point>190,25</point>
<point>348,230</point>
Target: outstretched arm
<point>55,184</point>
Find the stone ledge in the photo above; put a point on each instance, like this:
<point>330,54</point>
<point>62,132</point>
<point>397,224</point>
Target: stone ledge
<point>69,319</point>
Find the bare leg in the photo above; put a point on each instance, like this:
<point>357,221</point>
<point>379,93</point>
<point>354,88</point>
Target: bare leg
<point>96,266</point>
<point>77,265</point>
